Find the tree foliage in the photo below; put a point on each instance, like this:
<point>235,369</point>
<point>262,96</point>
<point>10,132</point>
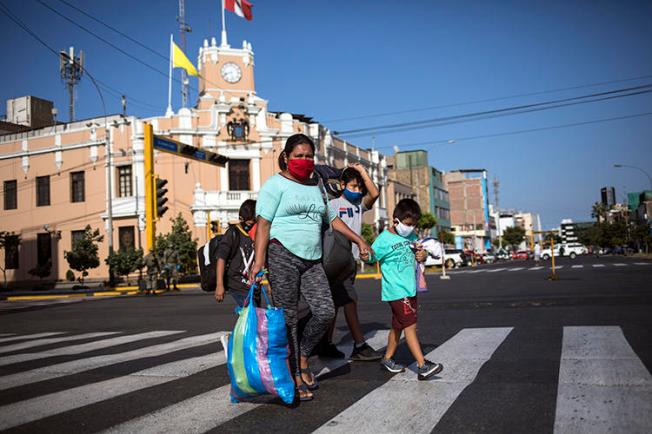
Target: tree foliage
<point>599,212</point>
<point>41,270</point>
<point>426,222</point>
<point>446,237</point>
<point>368,233</point>
<point>125,262</point>
<point>513,236</point>
<point>180,239</point>
<point>83,255</point>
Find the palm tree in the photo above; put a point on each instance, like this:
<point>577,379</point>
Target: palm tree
<point>599,211</point>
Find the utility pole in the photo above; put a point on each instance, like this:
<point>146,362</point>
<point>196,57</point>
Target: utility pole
<point>183,29</point>
<point>71,69</point>
<point>496,184</point>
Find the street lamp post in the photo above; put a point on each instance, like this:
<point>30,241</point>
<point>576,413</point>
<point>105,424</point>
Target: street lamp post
<point>619,166</point>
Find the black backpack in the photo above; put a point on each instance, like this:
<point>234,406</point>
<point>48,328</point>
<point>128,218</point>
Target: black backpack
<point>208,273</point>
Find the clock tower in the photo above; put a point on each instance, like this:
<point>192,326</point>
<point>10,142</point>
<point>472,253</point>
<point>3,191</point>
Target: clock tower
<point>225,73</point>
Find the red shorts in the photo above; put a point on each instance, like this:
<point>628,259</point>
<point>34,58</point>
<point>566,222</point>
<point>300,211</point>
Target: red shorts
<point>404,312</point>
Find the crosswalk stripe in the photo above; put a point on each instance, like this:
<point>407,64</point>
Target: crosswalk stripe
<point>34,336</point>
<point>598,265</point>
<point>6,334</point>
<point>642,263</point>
<point>620,264</point>
<point>403,405</point>
<point>81,365</point>
<point>83,348</point>
<point>495,270</point>
<point>577,266</point>
<point>30,410</point>
<point>476,271</point>
<point>47,341</point>
<point>204,412</point>
<point>516,269</point>
<point>536,268</point>
<point>558,267</point>
<point>603,385</point>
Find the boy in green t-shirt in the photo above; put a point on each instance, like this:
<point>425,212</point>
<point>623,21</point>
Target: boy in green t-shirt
<point>397,253</point>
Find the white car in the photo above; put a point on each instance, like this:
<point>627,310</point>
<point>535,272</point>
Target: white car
<point>454,259</point>
<point>572,250</point>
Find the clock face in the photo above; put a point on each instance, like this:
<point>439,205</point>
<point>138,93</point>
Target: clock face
<point>231,72</point>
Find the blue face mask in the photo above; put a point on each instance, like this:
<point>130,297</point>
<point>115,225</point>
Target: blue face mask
<point>355,197</point>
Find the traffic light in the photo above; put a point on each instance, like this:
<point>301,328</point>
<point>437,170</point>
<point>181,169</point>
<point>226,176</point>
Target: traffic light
<point>161,208</point>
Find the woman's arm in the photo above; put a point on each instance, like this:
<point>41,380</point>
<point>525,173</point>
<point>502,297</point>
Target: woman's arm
<point>341,227</point>
<point>260,247</point>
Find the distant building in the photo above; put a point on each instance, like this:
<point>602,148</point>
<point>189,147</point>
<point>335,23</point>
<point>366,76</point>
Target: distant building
<point>412,168</point>
<point>640,206</point>
<point>608,196</point>
<point>469,201</point>
<point>568,232</point>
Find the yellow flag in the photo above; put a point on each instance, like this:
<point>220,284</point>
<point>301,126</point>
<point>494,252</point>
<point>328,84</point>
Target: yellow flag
<point>179,60</point>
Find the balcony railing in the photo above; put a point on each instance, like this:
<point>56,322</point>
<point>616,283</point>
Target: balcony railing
<point>228,199</point>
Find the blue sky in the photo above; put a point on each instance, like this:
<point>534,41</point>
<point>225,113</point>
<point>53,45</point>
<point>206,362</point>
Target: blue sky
<point>343,59</point>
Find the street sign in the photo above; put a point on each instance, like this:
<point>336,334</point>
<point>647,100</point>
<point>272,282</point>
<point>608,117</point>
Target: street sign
<point>166,144</point>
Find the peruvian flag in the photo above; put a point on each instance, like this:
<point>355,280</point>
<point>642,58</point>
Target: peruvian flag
<point>242,8</point>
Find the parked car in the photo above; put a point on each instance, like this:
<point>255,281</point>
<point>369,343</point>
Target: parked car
<point>489,257</point>
<point>454,258</point>
<point>502,255</point>
<point>572,250</point>
<point>521,254</point>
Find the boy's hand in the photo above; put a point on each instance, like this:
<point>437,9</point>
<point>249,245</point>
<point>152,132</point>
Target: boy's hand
<point>365,250</point>
<point>421,255</point>
<point>359,167</point>
<point>219,294</point>
<point>365,256</point>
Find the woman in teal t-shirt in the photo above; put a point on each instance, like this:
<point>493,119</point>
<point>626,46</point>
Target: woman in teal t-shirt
<point>291,212</point>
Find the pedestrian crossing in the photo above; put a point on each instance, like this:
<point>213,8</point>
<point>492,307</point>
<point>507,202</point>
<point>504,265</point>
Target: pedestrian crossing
<point>547,267</point>
<point>602,384</point>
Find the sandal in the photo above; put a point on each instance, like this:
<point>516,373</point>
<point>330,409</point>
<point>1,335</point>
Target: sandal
<point>314,385</point>
<point>304,393</point>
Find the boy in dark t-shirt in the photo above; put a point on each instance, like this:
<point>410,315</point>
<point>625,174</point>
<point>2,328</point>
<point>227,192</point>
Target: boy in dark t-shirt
<point>235,255</point>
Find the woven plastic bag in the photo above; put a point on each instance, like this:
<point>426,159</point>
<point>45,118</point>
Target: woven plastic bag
<point>258,353</point>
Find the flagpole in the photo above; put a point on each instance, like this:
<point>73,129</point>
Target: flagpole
<point>169,111</point>
<point>224,42</point>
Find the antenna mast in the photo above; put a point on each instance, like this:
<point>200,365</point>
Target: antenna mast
<point>71,69</point>
<point>183,29</point>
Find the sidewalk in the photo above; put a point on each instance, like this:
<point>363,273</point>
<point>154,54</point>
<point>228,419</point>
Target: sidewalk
<point>22,295</point>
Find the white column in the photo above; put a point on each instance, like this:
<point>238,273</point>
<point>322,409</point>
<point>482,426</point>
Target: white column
<point>255,173</point>
<point>224,178</point>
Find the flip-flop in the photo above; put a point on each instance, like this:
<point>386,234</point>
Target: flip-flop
<point>315,383</point>
<point>304,388</point>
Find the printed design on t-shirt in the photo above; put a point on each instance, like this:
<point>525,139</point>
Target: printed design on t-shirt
<point>348,211</point>
<point>404,255</point>
<point>305,208</point>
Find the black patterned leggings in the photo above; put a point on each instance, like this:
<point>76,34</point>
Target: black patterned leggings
<point>290,277</point>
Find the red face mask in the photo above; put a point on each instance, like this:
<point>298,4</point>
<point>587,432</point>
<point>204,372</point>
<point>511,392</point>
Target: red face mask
<point>300,168</point>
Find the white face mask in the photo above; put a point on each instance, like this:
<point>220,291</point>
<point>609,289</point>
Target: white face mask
<point>403,229</point>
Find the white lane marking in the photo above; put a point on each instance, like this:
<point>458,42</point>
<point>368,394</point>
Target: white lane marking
<point>516,269</point>
<point>6,334</point>
<point>47,341</point>
<point>603,385</point>
<point>30,410</point>
<point>204,412</point>
<point>405,405</point>
<point>83,348</point>
<point>620,264</point>
<point>536,268</point>
<point>598,265</point>
<point>476,271</point>
<point>577,266</point>
<point>87,364</point>
<point>558,267</point>
<point>495,270</point>
<point>642,263</point>
<point>34,336</point>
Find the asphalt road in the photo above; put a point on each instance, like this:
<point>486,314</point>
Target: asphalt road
<point>521,353</point>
